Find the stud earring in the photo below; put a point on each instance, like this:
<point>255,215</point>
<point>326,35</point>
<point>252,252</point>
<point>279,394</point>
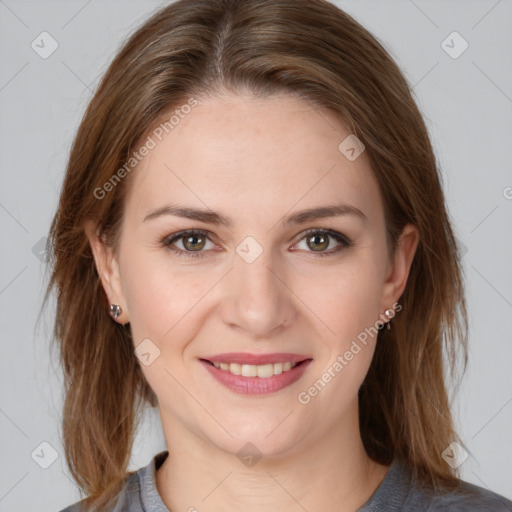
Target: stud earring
<point>115,310</point>
<point>388,312</point>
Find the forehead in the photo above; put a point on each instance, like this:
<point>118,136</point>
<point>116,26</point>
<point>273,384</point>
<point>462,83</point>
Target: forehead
<point>239,153</point>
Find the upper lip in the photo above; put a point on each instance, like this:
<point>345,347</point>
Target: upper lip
<point>256,359</point>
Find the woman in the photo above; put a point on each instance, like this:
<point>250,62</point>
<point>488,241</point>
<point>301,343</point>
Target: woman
<point>252,237</point>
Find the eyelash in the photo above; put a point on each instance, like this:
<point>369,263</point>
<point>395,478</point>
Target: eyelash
<point>169,240</point>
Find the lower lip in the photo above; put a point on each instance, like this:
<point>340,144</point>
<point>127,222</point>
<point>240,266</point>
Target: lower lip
<point>256,385</point>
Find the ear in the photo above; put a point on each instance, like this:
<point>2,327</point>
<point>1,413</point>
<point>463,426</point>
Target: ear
<point>108,270</point>
<point>397,271</point>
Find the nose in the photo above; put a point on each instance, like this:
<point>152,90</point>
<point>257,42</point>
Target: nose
<point>257,300</point>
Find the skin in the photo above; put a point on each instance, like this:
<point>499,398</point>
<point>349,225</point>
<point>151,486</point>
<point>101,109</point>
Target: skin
<point>256,161</point>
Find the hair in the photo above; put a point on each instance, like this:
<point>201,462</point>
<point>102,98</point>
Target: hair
<point>316,52</point>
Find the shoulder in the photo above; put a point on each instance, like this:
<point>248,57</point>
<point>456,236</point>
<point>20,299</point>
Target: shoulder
<point>465,498</point>
<point>125,501</point>
<point>139,492</point>
<point>399,491</point>
<point>76,507</point>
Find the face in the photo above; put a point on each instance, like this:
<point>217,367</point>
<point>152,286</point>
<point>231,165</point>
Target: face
<point>264,281</point>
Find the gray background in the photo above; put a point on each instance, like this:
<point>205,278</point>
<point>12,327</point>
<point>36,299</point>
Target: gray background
<point>467,103</point>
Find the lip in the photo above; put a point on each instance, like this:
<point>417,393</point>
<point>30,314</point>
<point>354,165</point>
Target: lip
<point>257,385</point>
<point>256,359</point>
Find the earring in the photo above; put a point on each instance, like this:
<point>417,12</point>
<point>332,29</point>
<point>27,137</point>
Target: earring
<point>115,310</point>
<point>388,312</point>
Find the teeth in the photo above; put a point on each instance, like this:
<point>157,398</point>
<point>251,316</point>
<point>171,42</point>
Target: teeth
<point>251,370</point>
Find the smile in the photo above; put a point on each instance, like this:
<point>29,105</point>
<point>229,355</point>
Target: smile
<point>256,379</point>
<point>252,370</point>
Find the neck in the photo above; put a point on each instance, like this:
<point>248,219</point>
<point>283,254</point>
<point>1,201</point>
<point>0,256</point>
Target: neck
<point>332,472</point>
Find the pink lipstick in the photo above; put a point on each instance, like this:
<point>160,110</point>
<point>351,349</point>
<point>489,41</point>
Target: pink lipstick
<point>256,373</point>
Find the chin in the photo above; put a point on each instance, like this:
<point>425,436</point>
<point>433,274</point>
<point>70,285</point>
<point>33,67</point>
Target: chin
<point>257,440</point>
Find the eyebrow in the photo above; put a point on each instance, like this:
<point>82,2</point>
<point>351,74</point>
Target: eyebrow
<point>211,217</point>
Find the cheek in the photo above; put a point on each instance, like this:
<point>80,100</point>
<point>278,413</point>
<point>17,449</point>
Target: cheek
<point>159,297</point>
<point>347,300</point>
<point>161,304</point>
<point>350,311</point>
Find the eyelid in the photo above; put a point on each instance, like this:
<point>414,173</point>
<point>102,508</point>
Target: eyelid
<point>343,241</point>
<point>169,240</point>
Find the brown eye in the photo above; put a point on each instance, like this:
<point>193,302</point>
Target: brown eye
<point>193,242</point>
<point>318,242</point>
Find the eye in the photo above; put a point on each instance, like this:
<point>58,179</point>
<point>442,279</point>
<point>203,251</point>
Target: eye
<point>194,240</point>
<point>318,239</point>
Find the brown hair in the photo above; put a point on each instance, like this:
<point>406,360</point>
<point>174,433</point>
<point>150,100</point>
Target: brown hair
<point>311,49</point>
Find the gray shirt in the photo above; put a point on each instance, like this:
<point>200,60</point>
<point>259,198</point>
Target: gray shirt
<point>397,492</point>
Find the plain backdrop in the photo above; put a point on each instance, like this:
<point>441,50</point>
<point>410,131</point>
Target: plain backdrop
<point>467,103</point>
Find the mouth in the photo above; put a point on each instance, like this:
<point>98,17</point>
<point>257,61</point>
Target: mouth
<point>263,371</point>
<point>251,379</point>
